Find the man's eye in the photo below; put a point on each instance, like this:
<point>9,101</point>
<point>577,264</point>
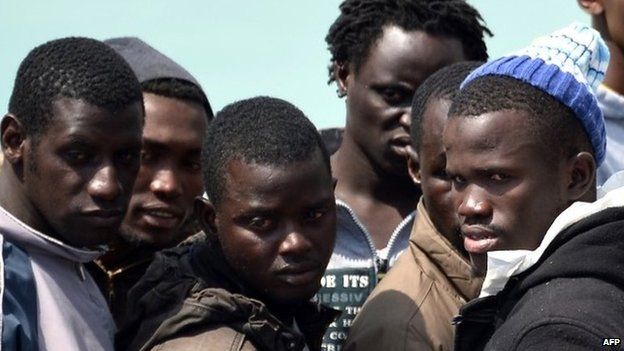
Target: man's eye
<point>315,214</point>
<point>128,157</point>
<point>76,156</point>
<point>146,156</point>
<point>393,96</point>
<point>458,179</point>
<point>498,177</point>
<point>260,223</point>
<point>193,165</point>
<point>441,174</point>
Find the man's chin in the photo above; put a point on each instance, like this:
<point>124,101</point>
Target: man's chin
<point>479,263</point>
<point>139,239</point>
<point>97,239</point>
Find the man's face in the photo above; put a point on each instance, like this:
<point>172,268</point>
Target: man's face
<point>614,15</point>
<point>506,189</point>
<point>379,95</point>
<point>277,226</point>
<point>79,175</point>
<point>170,175</point>
<point>435,184</point>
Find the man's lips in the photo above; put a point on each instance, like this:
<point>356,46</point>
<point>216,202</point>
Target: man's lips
<point>104,217</point>
<point>161,217</point>
<point>399,144</point>
<point>479,240</point>
<point>300,275</point>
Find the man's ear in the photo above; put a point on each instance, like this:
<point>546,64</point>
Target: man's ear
<point>206,215</point>
<point>592,7</point>
<point>13,138</point>
<point>413,165</point>
<point>581,171</point>
<point>341,74</point>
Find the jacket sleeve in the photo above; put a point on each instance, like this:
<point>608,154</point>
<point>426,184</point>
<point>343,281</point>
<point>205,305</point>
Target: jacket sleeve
<point>19,300</point>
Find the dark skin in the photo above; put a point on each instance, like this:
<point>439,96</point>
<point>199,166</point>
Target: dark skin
<point>507,186</point>
<point>276,227</point>
<point>607,19</point>
<point>169,178</point>
<point>427,167</point>
<point>88,155</point>
<point>370,164</point>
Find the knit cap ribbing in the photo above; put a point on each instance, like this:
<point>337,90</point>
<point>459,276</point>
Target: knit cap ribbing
<point>567,64</point>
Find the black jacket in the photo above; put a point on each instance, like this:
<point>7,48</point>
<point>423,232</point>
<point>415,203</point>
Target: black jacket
<point>193,289</point>
<point>571,299</point>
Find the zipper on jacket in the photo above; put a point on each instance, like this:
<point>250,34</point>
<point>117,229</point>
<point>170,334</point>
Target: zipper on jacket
<point>458,319</point>
<point>381,264</point>
<point>369,239</point>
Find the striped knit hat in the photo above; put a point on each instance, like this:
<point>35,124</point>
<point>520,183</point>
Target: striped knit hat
<point>568,64</point>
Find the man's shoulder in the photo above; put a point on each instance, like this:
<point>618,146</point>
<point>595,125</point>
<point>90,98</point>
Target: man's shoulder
<point>222,320</point>
<point>156,296</point>
<point>586,307</point>
<point>572,298</point>
<point>406,277</point>
<point>407,310</point>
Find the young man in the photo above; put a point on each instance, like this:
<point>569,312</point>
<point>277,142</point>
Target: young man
<point>381,52</point>
<point>270,225</point>
<point>71,142</point>
<point>176,115</point>
<point>411,309</point>
<point>607,17</point>
<point>523,140</point>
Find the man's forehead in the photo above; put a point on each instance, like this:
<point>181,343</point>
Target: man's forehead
<point>507,134</point>
<point>260,179</point>
<point>80,109</point>
<point>75,116</point>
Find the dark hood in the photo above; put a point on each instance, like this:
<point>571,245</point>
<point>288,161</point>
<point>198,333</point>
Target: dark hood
<point>147,62</point>
<point>592,247</point>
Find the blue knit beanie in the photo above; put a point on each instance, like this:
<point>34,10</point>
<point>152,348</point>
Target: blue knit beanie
<point>568,64</point>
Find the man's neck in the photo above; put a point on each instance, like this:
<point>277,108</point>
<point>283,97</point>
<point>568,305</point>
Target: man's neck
<point>286,314</point>
<point>358,177</point>
<point>614,77</point>
<point>14,200</point>
<point>122,253</point>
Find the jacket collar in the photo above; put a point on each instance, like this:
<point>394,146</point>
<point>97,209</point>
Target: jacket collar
<point>446,258</point>
<point>30,240</point>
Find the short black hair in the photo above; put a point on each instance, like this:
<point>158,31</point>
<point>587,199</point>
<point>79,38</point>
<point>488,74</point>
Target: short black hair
<point>178,89</point>
<point>76,68</point>
<point>554,124</point>
<point>261,130</point>
<point>361,23</point>
<point>443,84</point>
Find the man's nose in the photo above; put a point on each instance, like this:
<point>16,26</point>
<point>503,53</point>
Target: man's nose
<point>105,185</point>
<point>474,203</point>
<point>166,184</point>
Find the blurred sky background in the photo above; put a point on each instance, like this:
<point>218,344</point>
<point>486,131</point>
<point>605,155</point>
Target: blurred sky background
<point>242,48</point>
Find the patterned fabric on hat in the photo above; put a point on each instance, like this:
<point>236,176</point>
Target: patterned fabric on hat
<point>569,65</point>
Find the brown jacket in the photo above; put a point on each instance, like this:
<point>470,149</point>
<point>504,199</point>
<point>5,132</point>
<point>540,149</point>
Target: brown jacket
<point>215,319</point>
<point>191,299</point>
<point>412,307</point>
